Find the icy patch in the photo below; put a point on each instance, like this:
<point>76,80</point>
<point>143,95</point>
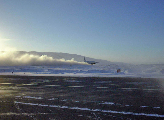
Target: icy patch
<point>76,86</point>
<point>151,89</point>
<point>127,105</point>
<point>33,97</point>
<point>53,99</point>
<point>6,83</point>
<point>43,105</point>
<point>52,85</point>
<point>25,103</point>
<point>30,84</point>
<point>108,103</point>
<point>73,81</point>
<point>95,110</point>
<point>157,107</point>
<point>19,114</point>
<point>144,106</point>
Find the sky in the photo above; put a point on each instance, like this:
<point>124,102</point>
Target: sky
<point>130,31</point>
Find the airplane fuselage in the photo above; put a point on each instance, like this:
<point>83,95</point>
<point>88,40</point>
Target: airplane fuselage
<point>90,62</point>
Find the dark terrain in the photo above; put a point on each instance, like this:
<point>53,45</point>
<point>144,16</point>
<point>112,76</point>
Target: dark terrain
<point>80,98</point>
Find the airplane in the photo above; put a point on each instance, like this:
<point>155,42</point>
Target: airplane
<point>90,62</point>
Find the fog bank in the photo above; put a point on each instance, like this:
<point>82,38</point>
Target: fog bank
<point>13,58</point>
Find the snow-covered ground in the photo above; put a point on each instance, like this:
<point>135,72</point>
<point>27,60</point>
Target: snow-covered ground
<point>63,64</point>
<point>85,71</point>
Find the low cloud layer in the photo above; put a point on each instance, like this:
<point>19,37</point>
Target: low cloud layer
<point>10,58</point>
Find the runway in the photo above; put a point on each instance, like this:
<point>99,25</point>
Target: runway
<point>63,98</point>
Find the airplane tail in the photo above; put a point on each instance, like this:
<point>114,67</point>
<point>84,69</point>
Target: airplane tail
<point>84,59</point>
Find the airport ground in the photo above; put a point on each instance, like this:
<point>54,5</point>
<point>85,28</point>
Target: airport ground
<point>81,98</point>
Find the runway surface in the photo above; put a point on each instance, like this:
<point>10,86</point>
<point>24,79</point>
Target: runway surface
<point>81,98</point>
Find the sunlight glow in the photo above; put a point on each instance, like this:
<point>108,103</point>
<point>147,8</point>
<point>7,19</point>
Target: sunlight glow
<point>4,46</point>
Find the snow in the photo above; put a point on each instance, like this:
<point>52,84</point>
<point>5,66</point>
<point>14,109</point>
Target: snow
<point>82,71</point>
<point>64,64</point>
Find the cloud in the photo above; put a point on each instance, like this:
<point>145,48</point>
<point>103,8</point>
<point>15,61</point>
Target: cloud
<point>13,58</point>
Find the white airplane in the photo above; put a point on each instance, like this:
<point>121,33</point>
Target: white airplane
<point>90,62</point>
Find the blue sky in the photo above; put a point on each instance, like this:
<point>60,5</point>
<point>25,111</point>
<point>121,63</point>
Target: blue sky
<point>130,31</point>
